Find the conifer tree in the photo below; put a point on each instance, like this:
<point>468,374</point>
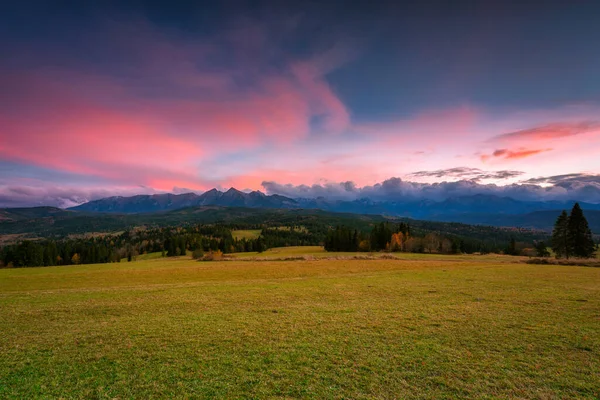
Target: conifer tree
<point>560,241</point>
<point>541,250</point>
<point>580,240</point>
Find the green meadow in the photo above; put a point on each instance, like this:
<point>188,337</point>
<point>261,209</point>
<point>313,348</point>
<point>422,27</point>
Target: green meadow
<point>246,234</point>
<point>415,326</point>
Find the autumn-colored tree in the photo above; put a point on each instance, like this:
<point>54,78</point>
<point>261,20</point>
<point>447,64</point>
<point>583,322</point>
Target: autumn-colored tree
<point>397,242</point>
<point>364,245</point>
<point>213,255</point>
<point>76,259</point>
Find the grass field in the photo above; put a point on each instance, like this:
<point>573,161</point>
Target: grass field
<point>418,327</point>
<point>246,234</point>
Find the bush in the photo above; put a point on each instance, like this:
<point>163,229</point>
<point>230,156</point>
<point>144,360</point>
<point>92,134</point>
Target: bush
<point>213,255</point>
<point>197,254</point>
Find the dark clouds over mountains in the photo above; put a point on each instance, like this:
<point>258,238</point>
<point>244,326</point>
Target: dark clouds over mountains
<point>465,182</point>
<point>577,187</point>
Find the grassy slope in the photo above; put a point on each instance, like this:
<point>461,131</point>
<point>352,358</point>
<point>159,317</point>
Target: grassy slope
<point>318,252</point>
<point>428,327</point>
<point>246,234</point>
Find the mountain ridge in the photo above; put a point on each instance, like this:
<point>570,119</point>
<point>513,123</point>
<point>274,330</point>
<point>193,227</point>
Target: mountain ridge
<point>482,209</point>
<point>169,201</point>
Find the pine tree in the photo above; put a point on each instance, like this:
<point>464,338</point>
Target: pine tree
<point>541,250</point>
<point>580,240</point>
<point>560,241</point>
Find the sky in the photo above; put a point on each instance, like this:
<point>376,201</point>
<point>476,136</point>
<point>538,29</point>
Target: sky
<point>299,98</point>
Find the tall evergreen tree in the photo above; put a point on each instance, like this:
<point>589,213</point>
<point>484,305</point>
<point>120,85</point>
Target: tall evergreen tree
<point>580,240</point>
<point>560,236</point>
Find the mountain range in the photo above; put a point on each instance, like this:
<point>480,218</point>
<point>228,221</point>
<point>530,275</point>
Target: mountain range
<point>474,209</point>
<point>167,202</point>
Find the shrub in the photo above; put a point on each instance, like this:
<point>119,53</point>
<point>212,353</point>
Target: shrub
<point>213,255</point>
<point>197,254</point>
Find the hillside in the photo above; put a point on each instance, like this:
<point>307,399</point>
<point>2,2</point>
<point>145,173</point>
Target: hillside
<point>65,223</point>
<point>475,209</point>
<point>535,220</point>
<point>23,214</point>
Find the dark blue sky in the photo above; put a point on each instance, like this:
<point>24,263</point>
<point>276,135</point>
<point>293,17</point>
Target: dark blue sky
<point>407,56</point>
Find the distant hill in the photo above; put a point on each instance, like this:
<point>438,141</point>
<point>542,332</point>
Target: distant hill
<point>60,223</point>
<point>475,209</point>
<point>166,202</point>
<point>536,220</point>
<point>20,214</point>
<point>46,221</point>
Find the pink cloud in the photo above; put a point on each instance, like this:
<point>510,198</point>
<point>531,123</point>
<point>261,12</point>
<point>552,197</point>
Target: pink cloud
<point>170,110</point>
<point>310,173</point>
<point>61,130</point>
<point>327,104</point>
<point>551,131</point>
<point>507,154</point>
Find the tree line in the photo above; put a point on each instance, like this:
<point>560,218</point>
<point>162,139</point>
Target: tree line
<point>170,242</point>
<point>386,236</point>
<point>336,234</point>
<point>571,238</point>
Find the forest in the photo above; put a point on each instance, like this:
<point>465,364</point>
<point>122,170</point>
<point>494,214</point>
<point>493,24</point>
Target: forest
<point>358,235</point>
<point>171,241</point>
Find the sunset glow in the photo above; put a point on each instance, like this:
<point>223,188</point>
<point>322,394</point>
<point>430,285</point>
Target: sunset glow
<point>128,103</point>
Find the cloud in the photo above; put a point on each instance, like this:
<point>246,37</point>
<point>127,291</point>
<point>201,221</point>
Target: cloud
<point>474,174</point>
<point>396,189</point>
<point>160,101</point>
<point>578,187</point>
<point>60,196</point>
<point>551,131</point>
<point>567,180</point>
<point>507,154</point>
<point>125,102</point>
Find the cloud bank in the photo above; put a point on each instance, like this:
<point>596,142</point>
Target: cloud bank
<point>473,174</point>
<point>60,196</point>
<point>567,187</point>
<point>578,187</point>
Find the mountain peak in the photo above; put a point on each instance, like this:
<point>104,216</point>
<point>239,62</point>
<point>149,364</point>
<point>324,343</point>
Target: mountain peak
<point>169,201</point>
<point>212,191</point>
